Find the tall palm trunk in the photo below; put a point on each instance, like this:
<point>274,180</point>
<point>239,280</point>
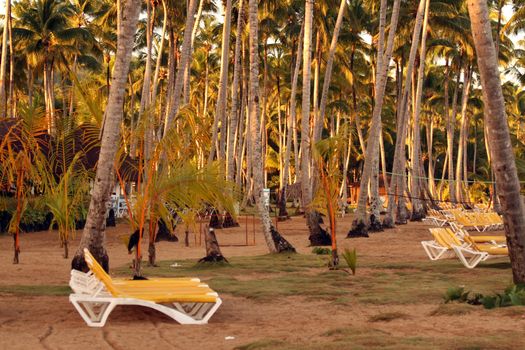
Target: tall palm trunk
<point>275,242</point>
<point>220,109</point>
<point>3,62</point>
<point>184,61</point>
<point>462,142</point>
<point>430,142</point>
<point>450,139</point>
<point>160,50</point>
<point>30,79</point>
<point>359,226</point>
<point>397,185</point>
<point>449,125</point>
<point>94,230</point>
<point>305,122</point>
<point>187,86</point>
<point>290,123</point>
<point>317,235</point>
<point>234,114</point>
<point>12,99</point>
<point>355,113</point>
<point>503,161</point>
<point>48,96</point>
<point>146,87</point>
<point>417,207</point>
<point>328,72</point>
<point>241,149</point>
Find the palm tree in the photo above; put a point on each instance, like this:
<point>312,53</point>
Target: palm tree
<point>220,110</point>
<point>175,97</point>
<point>275,242</point>
<point>417,207</point>
<point>312,217</point>
<point>236,94</point>
<point>3,64</point>
<point>503,161</point>
<point>398,184</point>
<point>359,226</point>
<point>44,33</point>
<point>93,235</point>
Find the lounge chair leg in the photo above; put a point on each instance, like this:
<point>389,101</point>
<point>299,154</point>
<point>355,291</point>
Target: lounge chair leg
<point>470,258</point>
<point>94,313</point>
<point>434,253</point>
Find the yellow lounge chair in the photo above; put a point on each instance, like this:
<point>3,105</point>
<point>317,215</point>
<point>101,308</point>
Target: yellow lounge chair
<point>445,239</point>
<point>436,218</point>
<point>441,246</point>
<point>96,294</point>
<point>475,253</point>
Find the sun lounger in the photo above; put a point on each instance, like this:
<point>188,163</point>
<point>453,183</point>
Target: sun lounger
<point>437,218</point>
<point>445,239</point>
<point>475,253</point>
<point>480,222</point>
<point>441,246</point>
<point>96,294</point>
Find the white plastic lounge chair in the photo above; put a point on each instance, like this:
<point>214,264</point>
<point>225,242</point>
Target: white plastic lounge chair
<point>441,246</point>
<point>475,253</point>
<point>436,218</point>
<point>96,294</point>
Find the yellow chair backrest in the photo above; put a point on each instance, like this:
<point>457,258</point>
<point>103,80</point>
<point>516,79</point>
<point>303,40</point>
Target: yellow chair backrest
<point>99,272</point>
<point>443,238</point>
<point>437,237</point>
<point>452,236</point>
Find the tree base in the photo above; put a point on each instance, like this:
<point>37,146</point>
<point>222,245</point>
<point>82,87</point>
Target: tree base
<point>281,244</point>
<point>110,220</point>
<point>321,239</point>
<point>359,229</point>
<point>152,255</point>
<point>299,211</point>
<point>318,236</point>
<point>164,233</point>
<point>402,215</point>
<point>375,224</point>
<point>417,215</point>
<point>388,222</point>
<point>229,221</point>
<point>16,258</point>
<point>139,278</point>
<point>215,222</point>
<point>78,262</point>
<point>213,258</point>
<point>283,213</point>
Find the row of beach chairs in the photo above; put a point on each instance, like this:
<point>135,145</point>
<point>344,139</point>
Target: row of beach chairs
<point>466,220</point>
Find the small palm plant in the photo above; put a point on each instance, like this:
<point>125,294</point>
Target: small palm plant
<point>66,199</point>
<point>22,144</point>
<point>64,179</point>
<point>170,182</point>
<point>327,154</point>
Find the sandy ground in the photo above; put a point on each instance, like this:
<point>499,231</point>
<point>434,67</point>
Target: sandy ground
<point>45,322</point>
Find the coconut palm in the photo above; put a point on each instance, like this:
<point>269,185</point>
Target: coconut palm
<point>504,163</point>
<point>275,242</point>
<point>44,33</point>
<point>93,235</point>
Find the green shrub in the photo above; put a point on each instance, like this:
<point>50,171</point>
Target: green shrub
<point>351,259</point>
<point>511,296</point>
<point>321,251</point>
